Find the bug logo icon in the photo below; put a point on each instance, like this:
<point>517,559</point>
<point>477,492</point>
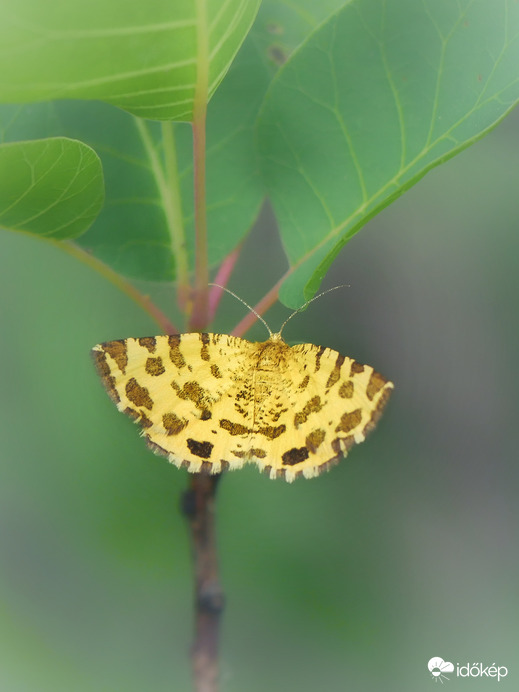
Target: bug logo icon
<point>438,667</point>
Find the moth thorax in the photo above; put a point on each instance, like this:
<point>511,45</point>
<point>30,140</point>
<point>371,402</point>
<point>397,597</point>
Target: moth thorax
<point>272,355</point>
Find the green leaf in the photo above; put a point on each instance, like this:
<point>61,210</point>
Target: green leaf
<point>131,234</point>
<point>143,57</point>
<point>282,26</point>
<point>377,96</point>
<point>51,187</point>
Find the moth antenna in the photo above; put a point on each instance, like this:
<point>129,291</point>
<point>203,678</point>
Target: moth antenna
<point>303,307</point>
<point>227,290</point>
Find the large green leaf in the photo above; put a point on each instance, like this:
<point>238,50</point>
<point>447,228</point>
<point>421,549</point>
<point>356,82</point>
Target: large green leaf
<point>377,96</point>
<point>131,234</point>
<point>51,187</point>
<point>144,57</point>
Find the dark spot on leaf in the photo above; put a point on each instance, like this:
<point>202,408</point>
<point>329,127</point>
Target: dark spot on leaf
<point>277,54</point>
<point>275,28</point>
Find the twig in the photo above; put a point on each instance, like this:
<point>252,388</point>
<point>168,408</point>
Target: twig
<point>122,284</point>
<point>198,505</point>
<point>199,314</point>
<point>172,202</point>
<point>167,181</point>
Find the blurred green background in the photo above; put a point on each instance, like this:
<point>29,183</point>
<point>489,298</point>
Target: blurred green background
<point>352,581</point>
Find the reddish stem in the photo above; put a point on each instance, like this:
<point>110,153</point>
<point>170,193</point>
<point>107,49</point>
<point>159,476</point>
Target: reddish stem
<point>118,280</point>
<point>264,304</point>
<point>222,277</point>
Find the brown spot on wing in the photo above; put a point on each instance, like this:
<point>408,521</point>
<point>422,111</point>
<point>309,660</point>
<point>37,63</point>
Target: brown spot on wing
<point>336,372</point>
<point>271,432</point>
<point>204,353</point>
<point>375,384</point>
<point>105,373</point>
<point>138,395</point>
<point>215,370</point>
<point>193,392</point>
<point>145,421</point>
<point>234,428</point>
<point>242,411</point>
<point>118,351</point>
<point>138,417</point>
<point>346,390</point>
<point>174,351</point>
<point>259,453</point>
<point>131,413</point>
<point>154,366</point>
<point>378,411</point>
<point>274,416</point>
<point>356,368</point>
<point>173,425</point>
<point>200,449</point>
<point>347,443</point>
<point>295,456</point>
<point>312,406</point>
<point>149,342</point>
<point>304,382</point>
<point>315,439</point>
<point>349,421</point>
<point>318,356</point>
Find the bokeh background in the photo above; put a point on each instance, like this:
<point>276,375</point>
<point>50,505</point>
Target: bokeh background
<point>352,581</point>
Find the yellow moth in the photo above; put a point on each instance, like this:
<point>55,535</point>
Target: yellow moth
<point>212,402</point>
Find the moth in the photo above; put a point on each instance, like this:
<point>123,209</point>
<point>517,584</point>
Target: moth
<point>213,402</point>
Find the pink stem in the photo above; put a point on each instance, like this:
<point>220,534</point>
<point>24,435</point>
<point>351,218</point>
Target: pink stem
<point>264,304</point>
<point>222,277</point>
